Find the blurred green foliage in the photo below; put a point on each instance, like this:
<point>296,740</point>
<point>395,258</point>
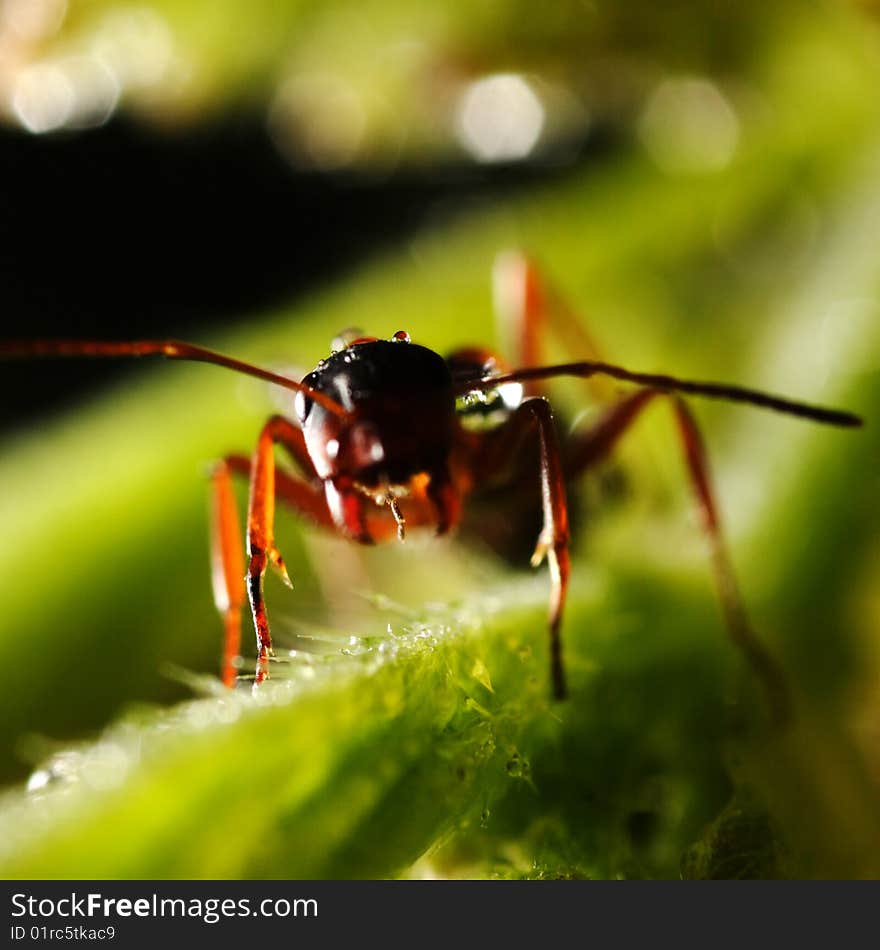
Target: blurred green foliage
<point>367,83</point>
<point>436,738</point>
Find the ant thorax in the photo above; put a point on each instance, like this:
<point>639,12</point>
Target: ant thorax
<point>483,409</point>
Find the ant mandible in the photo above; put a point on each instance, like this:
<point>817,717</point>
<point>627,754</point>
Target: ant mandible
<point>390,435</point>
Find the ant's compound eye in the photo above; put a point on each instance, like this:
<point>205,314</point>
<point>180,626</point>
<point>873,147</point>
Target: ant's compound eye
<point>302,405</point>
<point>401,337</point>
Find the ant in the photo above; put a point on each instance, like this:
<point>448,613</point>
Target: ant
<point>390,435</point>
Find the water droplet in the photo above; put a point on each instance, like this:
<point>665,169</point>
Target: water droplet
<point>401,337</point>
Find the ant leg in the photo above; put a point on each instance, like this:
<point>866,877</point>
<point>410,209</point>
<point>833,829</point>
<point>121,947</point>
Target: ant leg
<point>590,447</point>
<point>526,306</point>
<point>261,549</point>
<point>305,498</point>
<point>227,566</point>
<point>292,439</point>
<point>446,501</point>
<point>227,554</point>
<point>586,448</point>
<point>553,540</point>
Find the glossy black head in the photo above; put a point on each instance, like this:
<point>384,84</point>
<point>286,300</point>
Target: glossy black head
<point>402,407</point>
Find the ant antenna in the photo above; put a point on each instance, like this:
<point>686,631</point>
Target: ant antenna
<point>664,383</point>
<point>171,349</point>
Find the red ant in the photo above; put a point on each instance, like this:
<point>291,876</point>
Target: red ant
<point>390,435</point>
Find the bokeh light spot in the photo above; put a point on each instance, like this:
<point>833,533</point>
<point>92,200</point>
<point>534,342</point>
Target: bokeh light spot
<point>688,125</point>
<point>499,118</point>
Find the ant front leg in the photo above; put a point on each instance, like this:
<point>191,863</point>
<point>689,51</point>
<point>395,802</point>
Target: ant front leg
<point>231,583</point>
<point>590,447</point>
<point>227,566</point>
<point>553,541</point>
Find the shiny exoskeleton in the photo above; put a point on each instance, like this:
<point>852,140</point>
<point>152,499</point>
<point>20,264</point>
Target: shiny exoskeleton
<point>388,436</point>
<point>395,446</point>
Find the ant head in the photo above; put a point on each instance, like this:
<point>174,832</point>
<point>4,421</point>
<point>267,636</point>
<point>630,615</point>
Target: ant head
<point>400,408</point>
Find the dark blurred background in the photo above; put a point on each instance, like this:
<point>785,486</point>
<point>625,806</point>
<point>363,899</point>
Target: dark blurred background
<point>130,231</point>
